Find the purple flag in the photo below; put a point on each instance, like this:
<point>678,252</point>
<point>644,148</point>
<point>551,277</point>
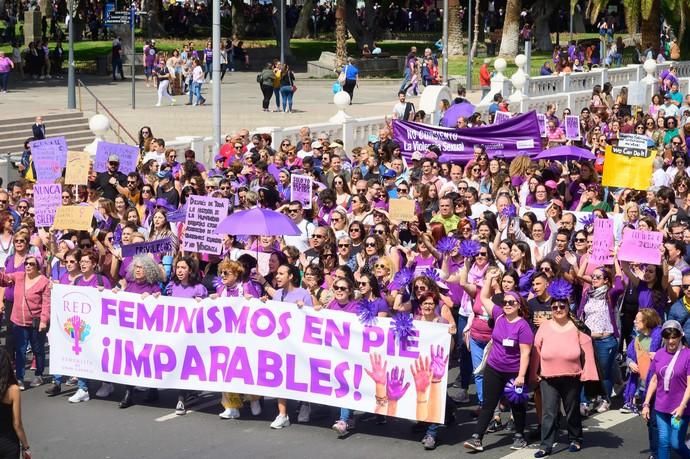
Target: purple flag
<point>519,135</point>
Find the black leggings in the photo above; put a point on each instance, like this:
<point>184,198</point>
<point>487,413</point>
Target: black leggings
<point>494,383</point>
<point>349,88</point>
<point>9,334</point>
<point>267,91</point>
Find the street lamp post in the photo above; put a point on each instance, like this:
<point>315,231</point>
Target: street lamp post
<point>444,65</point>
<point>71,78</point>
<point>215,75</point>
<point>469,45</point>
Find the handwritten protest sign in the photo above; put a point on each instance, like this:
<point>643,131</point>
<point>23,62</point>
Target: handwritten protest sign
<point>129,156</point>
<point>73,218</point>
<point>158,246</point>
<point>204,213</point>
<point>402,210</point>
<point>572,127</point>
<point>641,246</point>
<point>541,120</point>
<point>245,346</point>
<point>301,189</point>
<point>78,165</point>
<point>500,117</point>
<point>602,243</point>
<point>628,164</point>
<point>261,261</point>
<point>47,199</point>
<point>49,157</point>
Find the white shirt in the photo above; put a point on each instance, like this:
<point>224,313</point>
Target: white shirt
<point>399,110</point>
<point>198,74</point>
<point>301,241</point>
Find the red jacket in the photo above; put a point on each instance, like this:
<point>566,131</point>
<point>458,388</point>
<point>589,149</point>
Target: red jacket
<point>484,75</point>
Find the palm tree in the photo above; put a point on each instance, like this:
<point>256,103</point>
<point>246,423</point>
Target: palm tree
<point>511,29</point>
<point>647,13</point>
<point>475,31</point>
<point>340,34</point>
<point>455,47</point>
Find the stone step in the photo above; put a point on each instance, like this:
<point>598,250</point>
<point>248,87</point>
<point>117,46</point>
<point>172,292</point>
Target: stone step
<point>55,125</point>
<point>18,142</point>
<point>72,125</point>
<point>29,120</point>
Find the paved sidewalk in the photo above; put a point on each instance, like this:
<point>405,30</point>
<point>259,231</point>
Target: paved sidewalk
<point>241,99</point>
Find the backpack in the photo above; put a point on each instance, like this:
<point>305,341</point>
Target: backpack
<point>258,78</point>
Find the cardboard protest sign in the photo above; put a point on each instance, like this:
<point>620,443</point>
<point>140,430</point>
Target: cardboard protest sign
<point>501,117</point>
<point>402,210</point>
<point>204,213</point>
<point>73,218</point>
<point>572,127</point>
<point>602,243</point>
<point>158,246</point>
<point>541,120</point>
<point>78,165</point>
<point>47,199</point>
<point>628,164</point>
<point>232,344</point>
<point>49,157</point>
<point>129,156</point>
<point>301,190</point>
<point>641,246</point>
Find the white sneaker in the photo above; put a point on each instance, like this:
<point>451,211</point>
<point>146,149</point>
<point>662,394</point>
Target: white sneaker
<point>603,407</point>
<point>280,422</point>
<point>158,105</point>
<point>256,407</point>
<point>172,102</point>
<point>105,390</point>
<point>304,413</point>
<point>230,413</point>
<point>80,396</point>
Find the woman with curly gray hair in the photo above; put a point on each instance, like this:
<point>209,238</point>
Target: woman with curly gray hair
<point>144,276</point>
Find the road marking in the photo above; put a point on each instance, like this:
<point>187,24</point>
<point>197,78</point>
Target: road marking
<point>203,406</point>
<point>603,421</point>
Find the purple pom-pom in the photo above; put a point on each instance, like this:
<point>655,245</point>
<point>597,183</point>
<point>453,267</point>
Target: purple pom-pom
<point>509,264</point>
<point>647,211</point>
<point>432,274</point>
<point>217,282</point>
<point>401,279</point>
<point>367,311</point>
<point>403,326</point>
<point>473,224</point>
<point>469,248</point>
<point>560,289</point>
<point>515,395</point>
<point>587,220</point>
<point>525,283</point>
<point>447,244</point>
<point>509,211</point>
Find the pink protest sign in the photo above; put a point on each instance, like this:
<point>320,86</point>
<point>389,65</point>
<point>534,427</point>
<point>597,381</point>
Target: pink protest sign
<point>602,244</point>
<point>572,127</point>
<point>541,120</point>
<point>641,247</point>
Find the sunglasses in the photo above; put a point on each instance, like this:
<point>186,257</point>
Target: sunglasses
<point>355,229</point>
<point>85,246</point>
<point>336,220</point>
<point>65,196</point>
<point>686,286</point>
<point>379,232</point>
<point>290,211</point>
<point>318,236</point>
<point>342,246</point>
<point>598,277</point>
<point>559,306</point>
<point>510,303</point>
<point>328,255</point>
<point>362,284</point>
<point>668,334</point>
<point>225,273</point>
<point>380,265</point>
<point>420,287</point>
<point>20,241</point>
<point>113,163</point>
<point>546,269</point>
<point>30,263</point>
<point>483,254</point>
<point>340,288</point>
<point>578,239</point>
<point>147,191</point>
<point>370,244</point>
<point>25,207</point>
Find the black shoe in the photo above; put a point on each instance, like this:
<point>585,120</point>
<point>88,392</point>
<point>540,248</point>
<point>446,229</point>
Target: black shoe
<point>152,396</point>
<point>510,426</point>
<point>494,426</point>
<point>518,442</point>
<point>474,443</point>
<point>542,453</point>
<point>127,400</point>
<point>54,389</point>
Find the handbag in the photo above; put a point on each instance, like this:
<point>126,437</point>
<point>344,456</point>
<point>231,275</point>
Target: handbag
<point>337,87</point>
<point>342,76</point>
<point>485,356</point>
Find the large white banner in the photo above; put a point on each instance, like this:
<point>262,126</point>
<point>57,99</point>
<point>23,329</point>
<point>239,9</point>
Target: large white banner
<point>247,346</point>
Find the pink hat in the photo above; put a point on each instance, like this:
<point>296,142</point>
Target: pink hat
<point>551,184</point>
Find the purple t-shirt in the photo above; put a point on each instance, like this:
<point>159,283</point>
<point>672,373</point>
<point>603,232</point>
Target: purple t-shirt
<point>666,402</point>
<point>97,280</point>
<point>143,287</point>
<point>298,294</point>
<point>507,337</point>
<point>186,291</point>
<point>65,280</point>
<point>350,307</point>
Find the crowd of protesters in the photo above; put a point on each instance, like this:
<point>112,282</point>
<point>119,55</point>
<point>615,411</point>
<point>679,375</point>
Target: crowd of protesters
<point>500,251</point>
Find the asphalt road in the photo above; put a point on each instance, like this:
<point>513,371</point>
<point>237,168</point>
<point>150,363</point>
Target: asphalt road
<point>97,429</point>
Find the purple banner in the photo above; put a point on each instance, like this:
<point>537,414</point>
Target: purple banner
<point>129,156</point>
<point>572,127</point>
<point>49,157</point>
<point>519,135</point>
<point>158,246</point>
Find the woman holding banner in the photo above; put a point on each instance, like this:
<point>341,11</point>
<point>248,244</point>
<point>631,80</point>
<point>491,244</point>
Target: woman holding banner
<point>144,277</point>
<point>230,286</point>
<point>186,283</point>
<point>160,229</point>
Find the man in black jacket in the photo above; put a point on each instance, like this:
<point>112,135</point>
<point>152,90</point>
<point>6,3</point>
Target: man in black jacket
<point>39,129</point>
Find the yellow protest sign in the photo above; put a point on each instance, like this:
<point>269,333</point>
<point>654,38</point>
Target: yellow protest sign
<point>73,218</point>
<point>402,210</point>
<point>628,164</point>
<point>78,165</point>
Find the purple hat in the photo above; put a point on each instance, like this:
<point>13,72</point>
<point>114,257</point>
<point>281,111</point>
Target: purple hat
<point>162,202</point>
<point>219,158</point>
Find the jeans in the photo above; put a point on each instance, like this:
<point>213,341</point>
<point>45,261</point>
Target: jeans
<point>276,94</point>
<point>4,78</point>
<point>22,337</point>
<point>345,414</point>
<point>117,68</point>
<point>464,357</point>
<point>605,350</point>
<point>196,88</point>
<point>208,68</point>
<point>406,80</point>
<point>477,351</point>
<point>671,438</point>
<point>81,382</point>
<point>286,93</point>
<point>9,325</point>
<point>564,389</point>
<point>653,433</point>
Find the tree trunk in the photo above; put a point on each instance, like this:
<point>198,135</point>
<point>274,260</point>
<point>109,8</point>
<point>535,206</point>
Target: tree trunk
<point>632,21</point>
<point>340,34</point>
<point>511,29</point>
<point>455,47</point>
<point>239,21</point>
<point>365,33</point>
<point>650,26</point>
<point>286,32</point>
<point>542,32</point>
<point>302,27</point>
<point>153,24</point>
<point>475,39</point>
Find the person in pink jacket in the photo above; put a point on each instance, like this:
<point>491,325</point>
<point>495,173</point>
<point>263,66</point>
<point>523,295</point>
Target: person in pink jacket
<point>30,315</point>
<point>558,366</point>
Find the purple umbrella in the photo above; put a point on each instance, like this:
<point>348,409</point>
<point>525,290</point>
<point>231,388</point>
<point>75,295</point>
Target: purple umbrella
<point>258,222</point>
<point>566,152</point>
<point>450,118</point>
